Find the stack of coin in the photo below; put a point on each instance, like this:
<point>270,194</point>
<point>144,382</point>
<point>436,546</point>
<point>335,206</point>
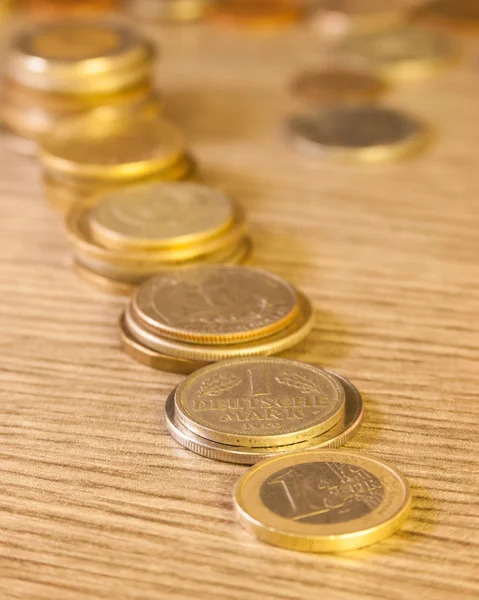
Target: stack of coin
<point>62,8</point>
<point>174,11</point>
<point>57,70</point>
<point>180,321</point>
<point>246,410</point>
<point>100,151</point>
<point>124,236</point>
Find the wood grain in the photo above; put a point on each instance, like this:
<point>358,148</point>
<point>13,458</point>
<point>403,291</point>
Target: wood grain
<point>97,501</point>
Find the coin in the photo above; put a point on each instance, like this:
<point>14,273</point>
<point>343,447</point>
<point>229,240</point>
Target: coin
<point>153,359</point>
<point>286,338</point>
<point>169,10</point>
<point>337,84</point>
<point>256,14</point>
<point>340,17</point>
<point>365,133</point>
<point>454,15</point>
<point>101,283</point>
<point>322,501</point>
<point>338,435</point>
<point>79,56</point>
<point>401,54</point>
<point>260,402</point>
<point>159,215</point>
<point>215,304</point>
<point>104,147</point>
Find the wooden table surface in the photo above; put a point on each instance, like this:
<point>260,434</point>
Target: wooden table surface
<point>98,501</point>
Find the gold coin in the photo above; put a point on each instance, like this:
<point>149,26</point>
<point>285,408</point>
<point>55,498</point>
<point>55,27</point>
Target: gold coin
<point>337,84</point>
<point>286,338</point>
<point>256,14</point>
<point>101,283</point>
<point>340,17</point>
<point>103,147</point>
<point>155,360</point>
<point>460,16</point>
<point>362,133</point>
<point>82,56</point>
<point>402,54</point>
<point>335,437</point>
<point>158,215</point>
<point>260,402</point>
<point>322,501</point>
<point>215,304</point>
<point>232,255</point>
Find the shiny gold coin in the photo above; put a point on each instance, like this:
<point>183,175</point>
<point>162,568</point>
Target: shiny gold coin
<point>101,283</point>
<point>286,338</point>
<point>260,402</point>
<point>237,254</point>
<point>103,147</point>
<point>460,16</point>
<point>337,84</point>
<point>215,304</point>
<point>155,360</point>
<point>341,17</point>
<point>79,56</point>
<point>335,437</point>
<point>322,501</point>
<point>158,215</point>
<point>256,14</point>
<point>402,54</point>
<point>363,133</point>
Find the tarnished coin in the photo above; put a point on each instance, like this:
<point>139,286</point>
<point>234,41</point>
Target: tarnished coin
<point>337,84</point>
<point>260,402</point>
<point>322,501</point>
<point>256,14</point>
<point>215,304</point>
<point>159,215</point>
<point>453,15</point>
<point>103,147</point>
<point>282,340</point>
<point>400,54</point>
<point>79,56</point>
<point>340,17</point>
<point>364,133</point>
<point>338,435</point>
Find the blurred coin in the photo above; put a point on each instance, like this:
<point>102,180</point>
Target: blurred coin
<point>336,84</point>
<point>169,10</point>
<point>260,402</point>
<point>365,133</point>
<point>322,501</point>
<point>286,338</point>
<point>404,53</point>
<point>338,435</point>
<point>160,216</point>
<point>256,14</point>
<point>215,304</point>
<point>454,15</point>
<point>102,283</point>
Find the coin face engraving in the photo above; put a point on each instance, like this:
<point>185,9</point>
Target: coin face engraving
<point>162,212</point>
<point>260,396</point>
<point>75,42</point>
<point>322,492</point>
<point>219,301</point>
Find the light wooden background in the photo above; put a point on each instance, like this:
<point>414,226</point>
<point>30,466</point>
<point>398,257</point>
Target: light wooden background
<point>97,501</point>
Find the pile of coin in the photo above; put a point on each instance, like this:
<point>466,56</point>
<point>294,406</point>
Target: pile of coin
<point>101,152</point>
<point>122,237</point>
<point>246,410</point>
<point>176,11</point>
<point>180,321</point>
<point>57,70</point>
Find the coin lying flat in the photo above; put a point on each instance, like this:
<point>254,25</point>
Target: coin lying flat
<point>338,435</point>
<point>337,84</point>
<point>322,501</point>
<point>79,56</point>
<point>364,133</point>
<point>260,402</point>
<point>159,215</point>
<point>215,304</point>
<point>407,53</point>
<point>104,147</point>
<point>256,14</point>
<point>340,17</point>
<point>286,338</point>
<point>453,15</point>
